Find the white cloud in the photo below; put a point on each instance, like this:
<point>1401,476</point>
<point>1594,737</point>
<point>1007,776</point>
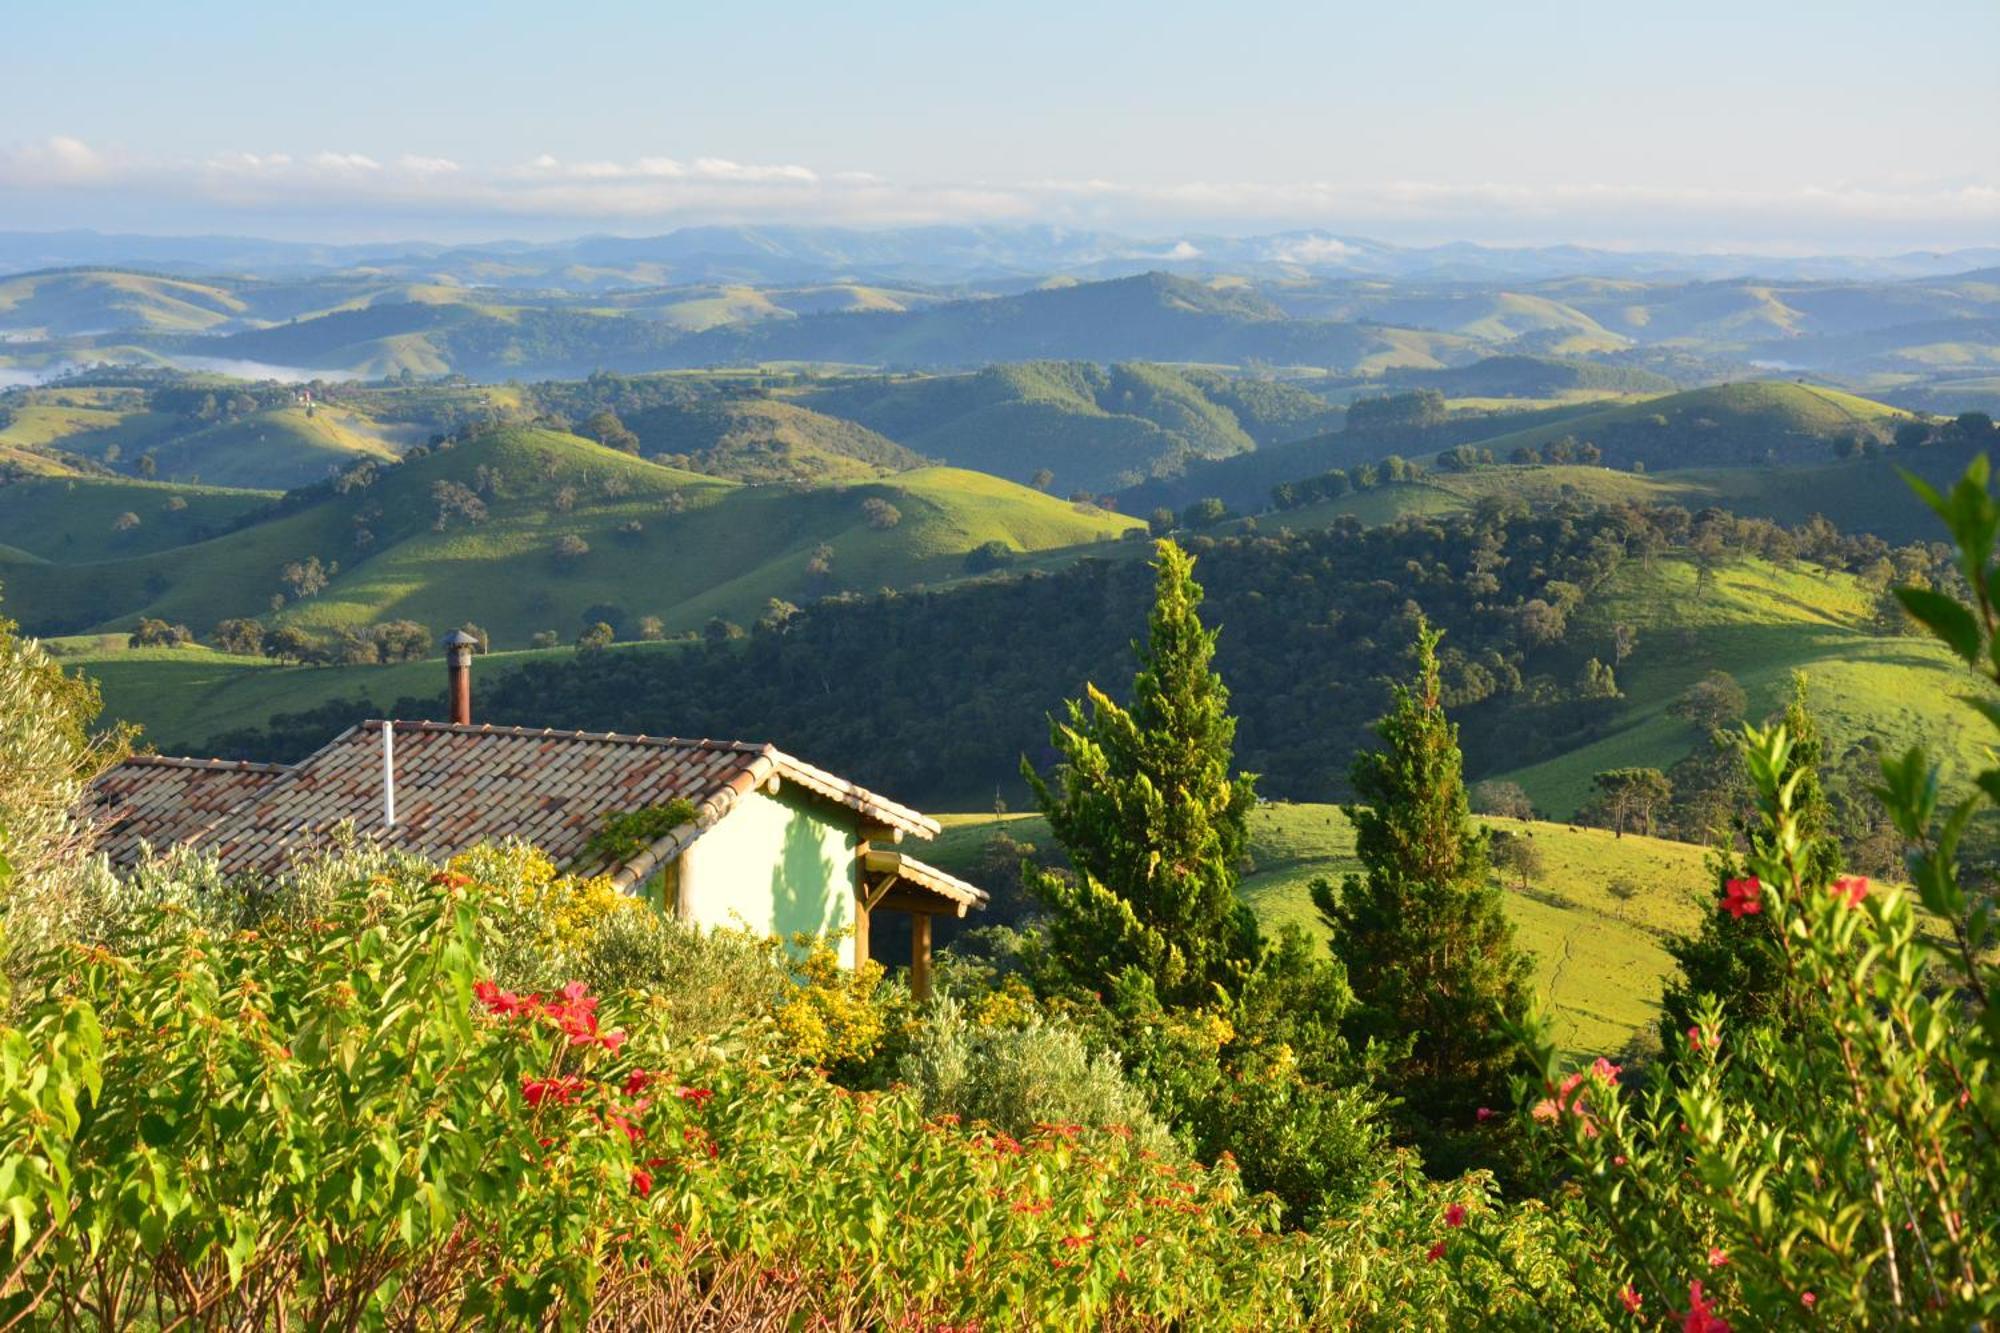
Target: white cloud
<point>669,190</point>
<point>58,160</point>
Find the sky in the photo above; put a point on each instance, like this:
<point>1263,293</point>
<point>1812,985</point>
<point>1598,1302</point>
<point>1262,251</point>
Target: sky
<point>1777,127</point>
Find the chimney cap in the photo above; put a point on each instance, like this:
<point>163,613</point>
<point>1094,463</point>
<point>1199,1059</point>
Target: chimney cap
<point>458,638</point>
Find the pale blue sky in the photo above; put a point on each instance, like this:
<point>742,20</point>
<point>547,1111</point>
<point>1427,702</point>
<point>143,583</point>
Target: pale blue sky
<point>1786,125</point>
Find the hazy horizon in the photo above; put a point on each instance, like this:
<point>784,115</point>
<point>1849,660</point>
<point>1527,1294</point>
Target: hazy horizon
<point>1768,128</point>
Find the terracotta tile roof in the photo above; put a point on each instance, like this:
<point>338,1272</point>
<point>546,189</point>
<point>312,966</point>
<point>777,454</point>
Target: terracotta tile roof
<point>460,785</point>
<point>161,801</point>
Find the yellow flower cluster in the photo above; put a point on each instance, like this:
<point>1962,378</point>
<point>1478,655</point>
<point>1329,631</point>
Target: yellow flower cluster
<point>565,909</point>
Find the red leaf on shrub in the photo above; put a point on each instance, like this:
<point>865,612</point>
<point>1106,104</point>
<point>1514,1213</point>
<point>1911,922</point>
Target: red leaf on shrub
<point>1454,1216</point>
<point>642,1183</point>
<point>1632,1299</point>
<point>1851,889</point>
<point>1435,1252</point>
<point>1701,1316</point>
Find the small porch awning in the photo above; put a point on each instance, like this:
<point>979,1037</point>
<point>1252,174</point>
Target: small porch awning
<point>904,884</point>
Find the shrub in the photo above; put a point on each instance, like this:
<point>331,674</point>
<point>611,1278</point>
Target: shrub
<point>1015,1077</point>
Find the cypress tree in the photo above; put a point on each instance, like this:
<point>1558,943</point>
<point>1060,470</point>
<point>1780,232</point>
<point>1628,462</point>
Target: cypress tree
<point>1427,946</point>
<point>1154,823</point>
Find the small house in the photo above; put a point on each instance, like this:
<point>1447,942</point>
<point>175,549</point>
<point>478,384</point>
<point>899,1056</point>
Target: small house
<point>761,839</point>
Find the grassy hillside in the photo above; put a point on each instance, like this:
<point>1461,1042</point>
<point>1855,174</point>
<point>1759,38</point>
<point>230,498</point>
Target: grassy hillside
<point>1759,623</point>
<point>1599,957</point>
<point>71,520</point>
<point>69,302</point>
<point>656,541</point>
<point>764,440</point>
<point>1535,377</point>
<point>1859,495</point>
<point>276,449</point>
<point>1759,422</point>
<point>1093,427</point>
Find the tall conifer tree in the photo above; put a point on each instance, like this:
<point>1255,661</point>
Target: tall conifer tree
<point>1153,821</point>
<point>1428,948</point>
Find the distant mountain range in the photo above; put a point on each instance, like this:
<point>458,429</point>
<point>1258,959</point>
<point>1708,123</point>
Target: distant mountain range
<point>997,256</point>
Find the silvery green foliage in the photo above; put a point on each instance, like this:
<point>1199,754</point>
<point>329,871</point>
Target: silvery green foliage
<point>1017,1077</point>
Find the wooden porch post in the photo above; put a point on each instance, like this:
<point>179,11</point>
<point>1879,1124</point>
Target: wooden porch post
<point>920,955</point>
<point>861,926</point>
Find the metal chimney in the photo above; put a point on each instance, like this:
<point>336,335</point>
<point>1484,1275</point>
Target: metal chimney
<point>458,649</point>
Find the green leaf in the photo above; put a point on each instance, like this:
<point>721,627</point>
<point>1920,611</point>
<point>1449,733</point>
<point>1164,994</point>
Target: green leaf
<point>1945,617</point>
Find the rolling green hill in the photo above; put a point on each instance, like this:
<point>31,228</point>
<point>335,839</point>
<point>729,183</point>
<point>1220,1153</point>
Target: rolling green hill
<point>1534,377</point>
<point>766,439</point>
<point>1599,957</point>
<point>1760,623</point>
<point>1093,427</point>
<point>1763,421</point>
<point>477,532</point>
<point>1857,495</point>
<point>275,449</point>
<point>70,302</point>
<point>71,520</point>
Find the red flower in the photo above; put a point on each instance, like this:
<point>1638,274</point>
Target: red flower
<point>539,1090</point>
<point>1435,1252</point>
<point>1633,1300</point>
<point>1483,1114</point>
<point>1850,889</point>
<point>1701,1316</point>
<point>1716,1257</point>
<point>699,1096</point>
<point>1741,898</point>
<point>1694,1039</point>
<point>637,1082</point>
<point>1454,1216</point>
<point>642,1183</point>
<point>1076,1242</point>
<point>1808,1300</point>
<point>504,1002</point>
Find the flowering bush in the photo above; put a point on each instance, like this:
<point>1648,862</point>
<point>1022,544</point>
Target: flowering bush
<point>346,1121</point>
<point>1840,1159</point>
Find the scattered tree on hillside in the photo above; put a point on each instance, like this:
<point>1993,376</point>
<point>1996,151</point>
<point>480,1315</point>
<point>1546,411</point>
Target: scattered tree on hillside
<point>289,643</point>
<point>148,466</point>
<point>1154,823</point>
<point>308,577</point>
<point>989,556</point>
<point>1525,454</point>
<point>174,504</point>
<point>595,638</point>
<point>570,550</point>
<point>1624,640</point>
<point>1497,796</point>
<point>1204,513</point>
<point>125,522</point>
<point>605,427</point>
<point>1627,796</point>
<point>565,499</point>
<point>1160,522</point>
<point>719,630</point>
<point>879,513</point>
<point>777,615</point>
<point>546,638</point>
<point>1712,703</point>
<point>483,642</point>
<point>1427,945</point>
<point>400,641</point>
<point>1516,855</point>
<point>238,636</point>
<point>819,565</point>
<point>455,501</point>
<point>652,629</point>
<point>1042,480</point>
<point>153,633</point>
<point>1596,681</point>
